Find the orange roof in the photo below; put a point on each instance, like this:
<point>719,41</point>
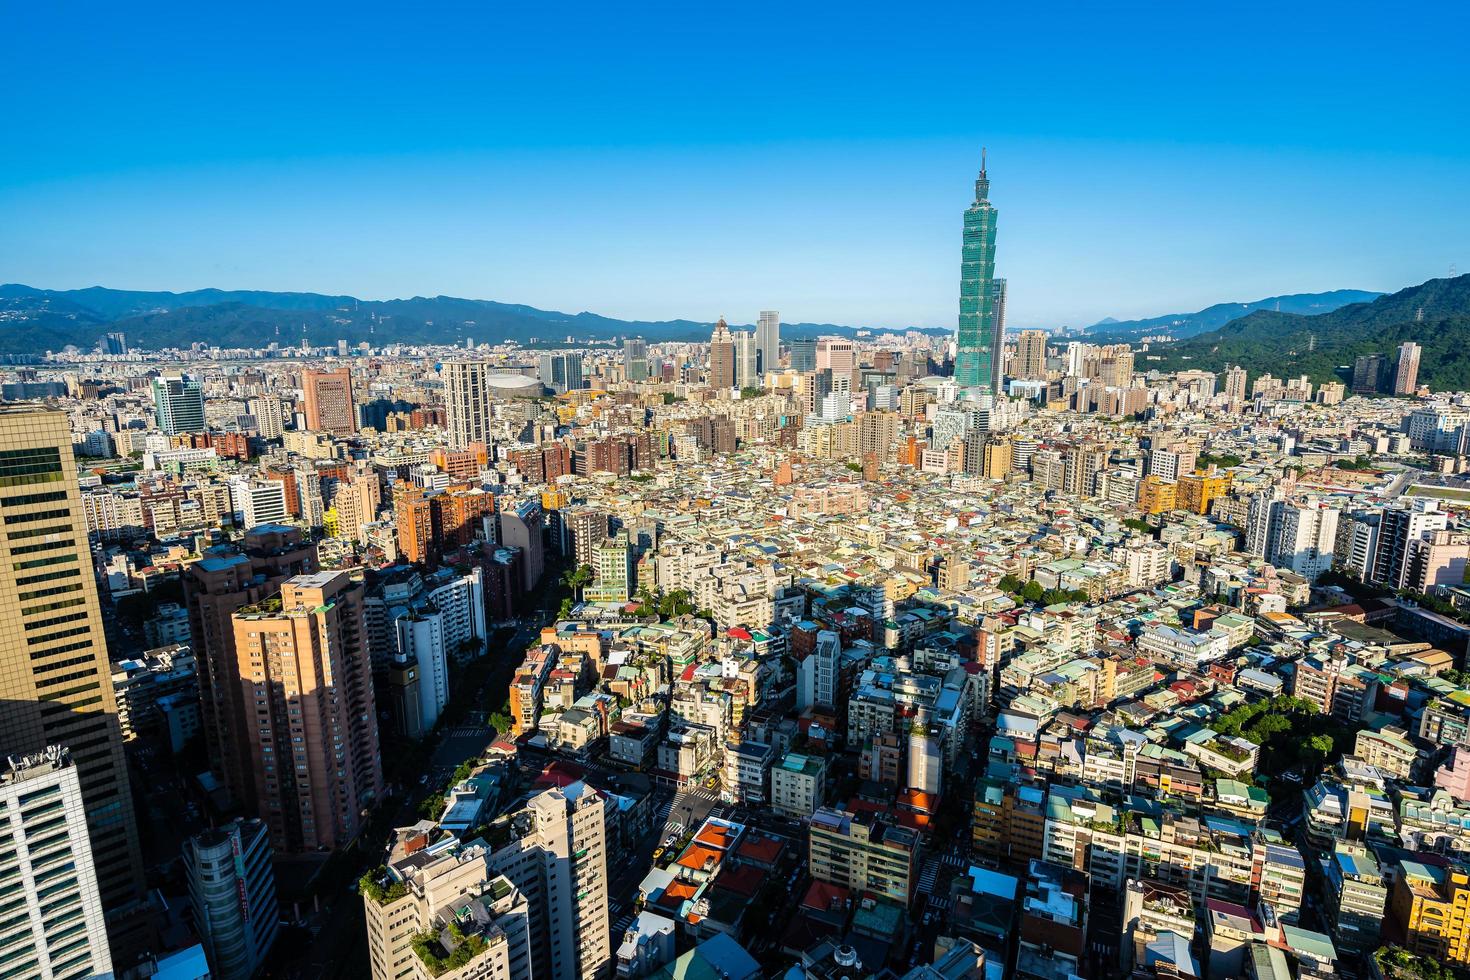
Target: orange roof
<point>714,835</point>
<point>696,857</point>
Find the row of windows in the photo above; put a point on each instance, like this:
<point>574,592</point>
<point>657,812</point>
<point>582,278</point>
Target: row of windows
<point>48,607</point>
<point>39,562</point>
<point>34,532</point>
<point>30,549</point>
<point>54,496</point>
<point>54,590</point>
<point>58,635</point>
<point>48,576</point>
<point>19,467</point>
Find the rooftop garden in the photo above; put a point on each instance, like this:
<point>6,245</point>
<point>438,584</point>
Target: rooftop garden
<point>430,948</point>
<point>382,887</point>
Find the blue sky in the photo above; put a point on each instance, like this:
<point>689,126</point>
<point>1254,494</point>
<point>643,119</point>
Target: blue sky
<point>657,160</point>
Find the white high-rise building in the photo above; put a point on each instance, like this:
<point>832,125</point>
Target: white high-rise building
<point>1304,535</point>
<point>768,341</point>
<point>747,373</point>
<point>233,893</point>
<point>421,641</point>
<point>270,420</point>
<point>178,404</point>
<point>558,858</point>
<point>53,925</point>
<point>466,402</point>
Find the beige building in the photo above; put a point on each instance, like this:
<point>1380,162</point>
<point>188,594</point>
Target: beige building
<point>427,885</point>
<point>55,679</point>
<point>306,677</point>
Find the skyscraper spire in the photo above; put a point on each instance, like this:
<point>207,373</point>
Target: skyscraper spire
<point>980,293</point>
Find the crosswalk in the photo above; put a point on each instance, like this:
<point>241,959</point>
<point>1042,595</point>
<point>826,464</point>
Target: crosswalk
<point>466,731</point>
<point>940,904</point>
<point>956,861</point>
<point>928,875</point>
<point>621,926</point>
<point>707,795</point>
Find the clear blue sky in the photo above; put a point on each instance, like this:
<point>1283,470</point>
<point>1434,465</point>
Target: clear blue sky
<point>676,159</point>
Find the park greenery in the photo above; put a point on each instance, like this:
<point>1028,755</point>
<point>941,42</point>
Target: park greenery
<point>1032,592</point>
<point>1291,732</point>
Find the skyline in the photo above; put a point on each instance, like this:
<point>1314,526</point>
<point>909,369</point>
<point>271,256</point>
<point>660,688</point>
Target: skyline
<point>564,172</point>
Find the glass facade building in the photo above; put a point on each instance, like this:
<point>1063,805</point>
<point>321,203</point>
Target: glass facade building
<point>982,296</point>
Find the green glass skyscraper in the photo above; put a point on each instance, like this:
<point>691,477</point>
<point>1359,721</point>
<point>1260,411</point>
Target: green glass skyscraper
<point>982,296</point>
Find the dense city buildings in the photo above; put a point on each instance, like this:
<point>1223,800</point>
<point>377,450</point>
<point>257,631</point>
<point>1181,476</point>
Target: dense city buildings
<point>876,653</point>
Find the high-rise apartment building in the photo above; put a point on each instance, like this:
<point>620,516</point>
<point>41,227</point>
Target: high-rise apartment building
<point>721,357</point>
<point>226,578</point>
<point>588,527</point>
<point>557,857</point>
<point>53,925</point>
<point>1406,370</point>
<point>768,341</point>
<point>312,736</point>
<point>612,565</point>
<point>466,402</point>
<point>747,374</point>
<point>864,852</point>
<point>269,419</point>
<point>232,891</point>
<point>838,356</point>
<point>434,891</point>
<point>635,358</point>
<point>981,324</point>
<point>1031,355</point>
<point>178,404</point>
<point>1235,378</point>
<point>55,679</point>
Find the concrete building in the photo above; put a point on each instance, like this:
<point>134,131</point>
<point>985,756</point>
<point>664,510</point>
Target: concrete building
<point>327,399</point>
<point>798,785</point>
<point>178,404</point>
<point>862,852</point>
<point>232,891</point>
<point>54,924</point>
<point>467,401</point>
<point>313,739</point>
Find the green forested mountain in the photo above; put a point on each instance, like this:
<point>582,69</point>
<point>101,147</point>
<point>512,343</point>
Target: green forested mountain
<point>1184,325</point>
<point>1435,315</point>
<point>33,321</point>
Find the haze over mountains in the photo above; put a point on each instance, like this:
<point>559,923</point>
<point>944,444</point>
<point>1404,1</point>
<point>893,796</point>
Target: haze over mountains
<point>1307,333</point>
<point>1182,325</point>
<point>33,321</point>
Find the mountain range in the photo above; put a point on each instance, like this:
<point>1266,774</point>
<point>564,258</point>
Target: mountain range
<point>33,321</point>
<point>1183,325</point>
<point>1434,314</point>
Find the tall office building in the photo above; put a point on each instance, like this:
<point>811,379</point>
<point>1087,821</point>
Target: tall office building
<point>178,404</point>
<point>329,406</point>
<point>1031,355</point>
<point>981,298</point>
<point>838,356</point>
<point>635,358</point>
<point>313,736</point>
<point>747,374</point>
<point>232,890</point>
<point>466,402</point>
<point>804,355</point>
<point>1370,373</point>
<point>561,372</point>
<point>53,925</point>
<point>225,579</point>
<point>721,357</point>
<point>55,679</point>
<point>557,857</point>
<point>116,344</point>
<point>1406,372</point>
<point>768,341</point>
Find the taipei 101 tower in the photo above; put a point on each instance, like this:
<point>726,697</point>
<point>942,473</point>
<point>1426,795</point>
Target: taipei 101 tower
<point>978,362</point>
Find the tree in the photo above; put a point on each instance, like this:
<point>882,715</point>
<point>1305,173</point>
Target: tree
<point>1011,584</point>
<point>1032,591</point>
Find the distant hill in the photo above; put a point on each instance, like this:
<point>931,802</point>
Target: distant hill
<point>33,321</point>
<point>1183,325</point>
<point>1434,314</point>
